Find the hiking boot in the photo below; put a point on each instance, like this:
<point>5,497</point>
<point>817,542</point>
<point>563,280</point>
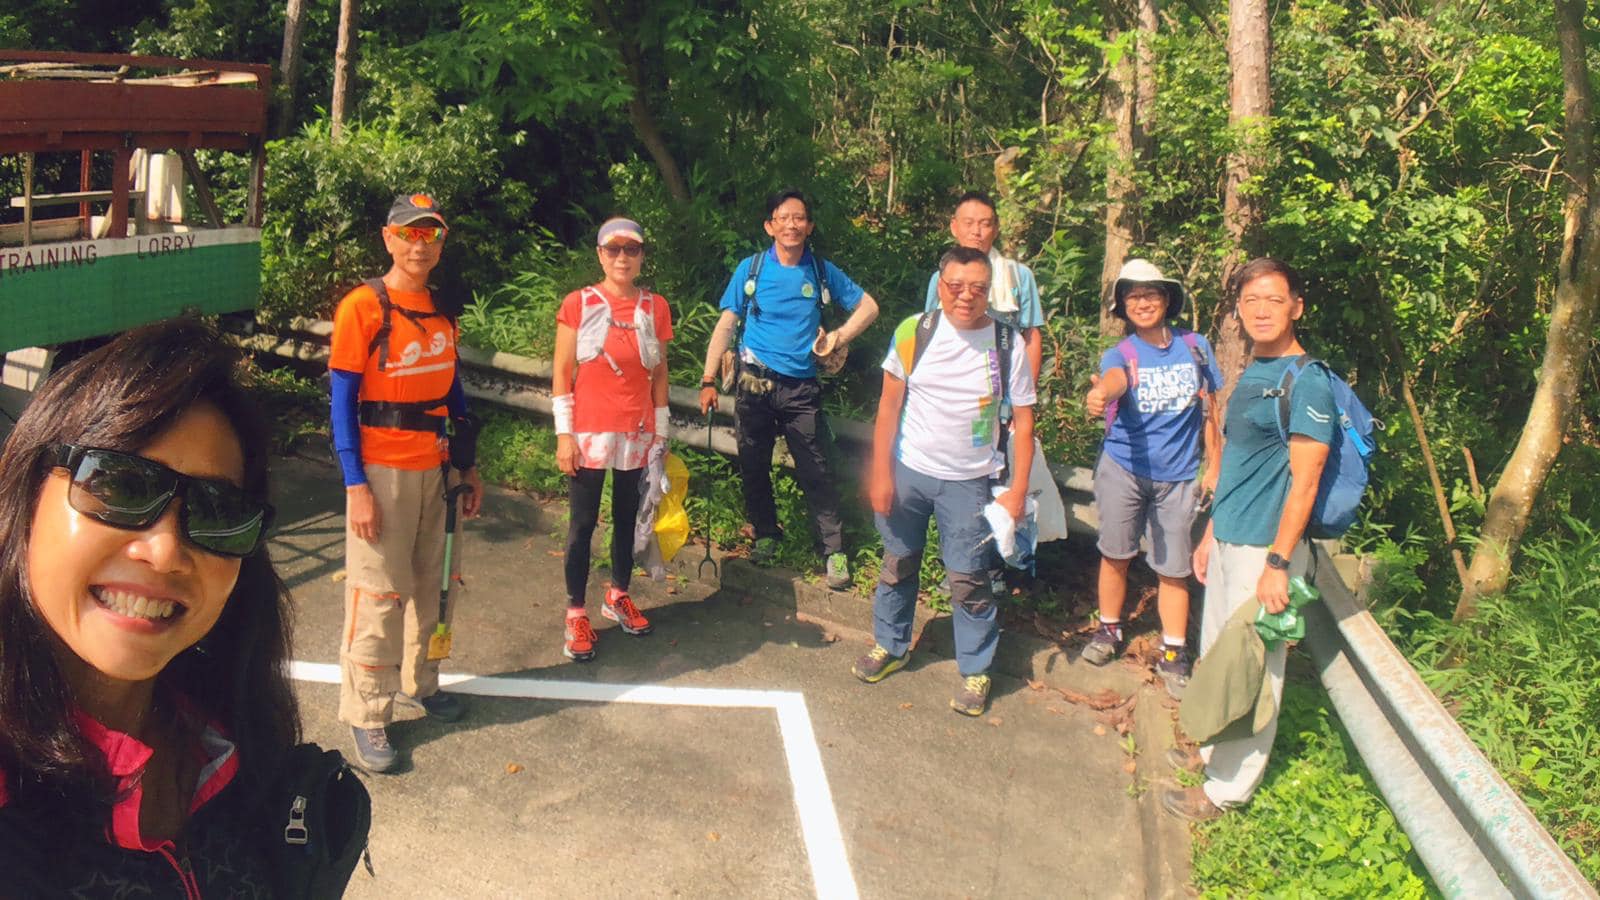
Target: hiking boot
<point>441,706</point>
<point>1190,804</point>
<point>877,665</point>
<point>1183,760</point>
<point>579,645</point>
<point>838,571</point>
<point>373,750</point>
<point>1174,667</point>
<point>764,552</point>
<point>1105,646</point>
<point>973,697</point>
<point>619,608</point>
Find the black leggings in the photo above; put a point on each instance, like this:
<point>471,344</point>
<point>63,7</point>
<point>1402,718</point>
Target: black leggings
<point>583,498</point>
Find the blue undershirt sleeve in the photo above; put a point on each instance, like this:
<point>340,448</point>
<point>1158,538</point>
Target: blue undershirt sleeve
<point>346,428</point>
<point>456,400</point>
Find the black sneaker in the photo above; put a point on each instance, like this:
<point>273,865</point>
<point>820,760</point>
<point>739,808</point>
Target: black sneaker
<point>973,698</point>
<point>442,706</point>
<point>877,665</point>
<point>373,750</point>
<point>1104,646</point>
<point>1174,667</point>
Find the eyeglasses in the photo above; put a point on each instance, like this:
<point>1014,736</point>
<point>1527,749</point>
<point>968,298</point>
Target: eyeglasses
<point>630,250</point>
<point>131,492</point>
<point>961,289</point>
<point>792,219</point>
<point>1147,297</point>
<point>412,234</point>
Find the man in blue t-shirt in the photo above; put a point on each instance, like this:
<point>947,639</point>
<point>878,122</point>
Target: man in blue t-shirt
<point>1162,380</point>
<point>1256,539</point>
<point>779,296</point>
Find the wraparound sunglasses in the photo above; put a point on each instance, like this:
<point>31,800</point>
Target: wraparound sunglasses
<point>127,491</point>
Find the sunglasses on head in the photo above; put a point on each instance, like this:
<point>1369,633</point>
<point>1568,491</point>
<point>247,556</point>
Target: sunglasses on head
<point>630,250</point>
<point>411,234</point>
<point>130,492</point>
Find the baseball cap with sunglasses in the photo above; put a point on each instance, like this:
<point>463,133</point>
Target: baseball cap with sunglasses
<point>130,492</point>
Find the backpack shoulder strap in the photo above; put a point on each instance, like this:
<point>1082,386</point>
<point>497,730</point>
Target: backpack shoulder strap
<point>926,324</point>
<point>1286,388</point>
<point>380,339</point>
<point>820,272</point>
<point>1192,341</point>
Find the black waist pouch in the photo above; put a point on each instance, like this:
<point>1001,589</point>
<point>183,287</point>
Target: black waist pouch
<point>318,815</point>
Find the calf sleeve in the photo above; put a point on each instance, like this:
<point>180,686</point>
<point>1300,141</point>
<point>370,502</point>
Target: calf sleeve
<point>971,591</point>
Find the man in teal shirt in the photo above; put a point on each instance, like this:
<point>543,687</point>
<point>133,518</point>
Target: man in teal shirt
<point>1255,540</point>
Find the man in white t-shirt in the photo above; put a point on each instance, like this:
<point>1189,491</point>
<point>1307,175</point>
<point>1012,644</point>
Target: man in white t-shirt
<point>936,450</point>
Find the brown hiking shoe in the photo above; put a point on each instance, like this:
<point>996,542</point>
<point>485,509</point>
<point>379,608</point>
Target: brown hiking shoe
<point>1190,804</point>
<point>1182,758</point>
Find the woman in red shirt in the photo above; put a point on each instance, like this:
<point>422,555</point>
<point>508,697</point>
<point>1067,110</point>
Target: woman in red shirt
<point>610,399</point>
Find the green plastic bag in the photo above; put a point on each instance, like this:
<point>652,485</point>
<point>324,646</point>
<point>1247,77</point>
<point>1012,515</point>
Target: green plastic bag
<point>1288,625</point>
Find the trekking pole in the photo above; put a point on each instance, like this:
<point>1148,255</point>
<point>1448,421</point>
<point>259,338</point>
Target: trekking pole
<point>700,573</point>
<point>439,642</point>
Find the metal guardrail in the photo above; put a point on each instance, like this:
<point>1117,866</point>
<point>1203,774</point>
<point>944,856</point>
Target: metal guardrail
<point>1473,833</point>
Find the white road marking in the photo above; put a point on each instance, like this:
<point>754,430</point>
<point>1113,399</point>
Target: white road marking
<point>819,821</point>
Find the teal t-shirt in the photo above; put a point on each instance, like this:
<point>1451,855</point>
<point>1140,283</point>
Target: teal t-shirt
<point>1255,460</point>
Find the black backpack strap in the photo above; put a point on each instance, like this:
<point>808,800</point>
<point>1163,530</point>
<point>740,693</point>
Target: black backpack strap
<point>1285,389</point>
<point>752,284</point>
<point>1004,339</point>
<point>820,272</point>
<point>380,340</point>
<point>406,415</point>
<point>922,337</point>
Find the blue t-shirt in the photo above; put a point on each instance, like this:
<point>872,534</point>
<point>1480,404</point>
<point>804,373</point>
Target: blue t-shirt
<point>1160,421</point>
<point>1255,460</point>
<point>1030,310</point>
<point>789,306</point>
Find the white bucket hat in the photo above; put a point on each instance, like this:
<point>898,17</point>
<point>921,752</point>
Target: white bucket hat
<point>1135,272</point>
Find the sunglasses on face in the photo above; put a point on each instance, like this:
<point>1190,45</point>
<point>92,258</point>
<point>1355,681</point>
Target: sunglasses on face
<point>631,251</point>
<point>130,492</point>
<point>412,234</point>
<point>962,289</point>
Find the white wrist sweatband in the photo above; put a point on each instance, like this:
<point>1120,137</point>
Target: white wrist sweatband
<point>562,408</point>
<point>661,422</point>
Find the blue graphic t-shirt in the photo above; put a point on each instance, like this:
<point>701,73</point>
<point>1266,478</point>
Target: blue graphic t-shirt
<point>788,298</point>
<point>1159,424</point>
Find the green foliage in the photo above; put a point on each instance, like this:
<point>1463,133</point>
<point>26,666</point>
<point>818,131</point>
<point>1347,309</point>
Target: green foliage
<point>1523,679</point>
<point>1317,826</point>
<point>519,454</point>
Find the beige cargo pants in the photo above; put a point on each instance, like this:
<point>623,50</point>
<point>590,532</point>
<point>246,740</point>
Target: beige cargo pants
<point>391,597</point>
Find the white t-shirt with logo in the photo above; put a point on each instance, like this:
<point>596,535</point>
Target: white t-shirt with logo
<point>950,420</point>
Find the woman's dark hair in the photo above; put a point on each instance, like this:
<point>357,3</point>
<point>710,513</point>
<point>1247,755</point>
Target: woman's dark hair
<point>778,198</point>
<point>1266,265</point>
<point>121,397</point>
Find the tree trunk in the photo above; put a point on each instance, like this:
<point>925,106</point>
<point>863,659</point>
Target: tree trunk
<point>643,120</point>
<point>1250,105</point>
<point>1122,202</point>
<point>289,67</point>
<point>1567,342</point>
<point>344,60</point>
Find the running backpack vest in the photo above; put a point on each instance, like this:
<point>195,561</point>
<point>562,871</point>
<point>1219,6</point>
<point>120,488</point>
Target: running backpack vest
<point>1344,477</point>
<point>596,322</point>
<point>411,415</point>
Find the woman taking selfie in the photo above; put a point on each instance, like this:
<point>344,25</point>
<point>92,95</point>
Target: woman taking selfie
<point>610,399</point>
<point>147,714</point>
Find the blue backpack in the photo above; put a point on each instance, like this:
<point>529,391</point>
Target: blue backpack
<point>1344,478</point>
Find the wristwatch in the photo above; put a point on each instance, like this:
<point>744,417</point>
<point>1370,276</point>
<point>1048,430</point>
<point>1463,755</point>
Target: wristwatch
<point>708,382</point>
<point>1274,561</point>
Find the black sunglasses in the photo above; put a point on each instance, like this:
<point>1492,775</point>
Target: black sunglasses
<point>131,492</point>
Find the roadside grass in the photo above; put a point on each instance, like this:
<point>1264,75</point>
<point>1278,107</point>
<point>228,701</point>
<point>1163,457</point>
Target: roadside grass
<point>1317,828</point>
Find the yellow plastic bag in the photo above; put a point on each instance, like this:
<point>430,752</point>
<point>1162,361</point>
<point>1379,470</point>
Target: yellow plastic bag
<point>672,520</point>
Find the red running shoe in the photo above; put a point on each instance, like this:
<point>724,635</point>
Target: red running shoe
<point>579,645</point>
<point>619,608</point>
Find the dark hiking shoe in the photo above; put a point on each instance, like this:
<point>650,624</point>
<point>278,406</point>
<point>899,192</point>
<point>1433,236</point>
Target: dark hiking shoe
<point>838,571</point>
<point>764,552</point>
<point>373,750</point>
<point>973,698</point>
<point>1190,804</point>
<point>1104,646</point>
<point>442,706</point>
<point>1174,667</point>
<point>877,665</point>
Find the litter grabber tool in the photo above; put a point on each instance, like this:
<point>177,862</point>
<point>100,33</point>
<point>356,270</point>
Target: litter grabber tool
<point>439,641</point>
<point>700,573</point>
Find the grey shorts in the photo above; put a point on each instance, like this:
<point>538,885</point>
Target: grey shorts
<point>1162,512</point>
